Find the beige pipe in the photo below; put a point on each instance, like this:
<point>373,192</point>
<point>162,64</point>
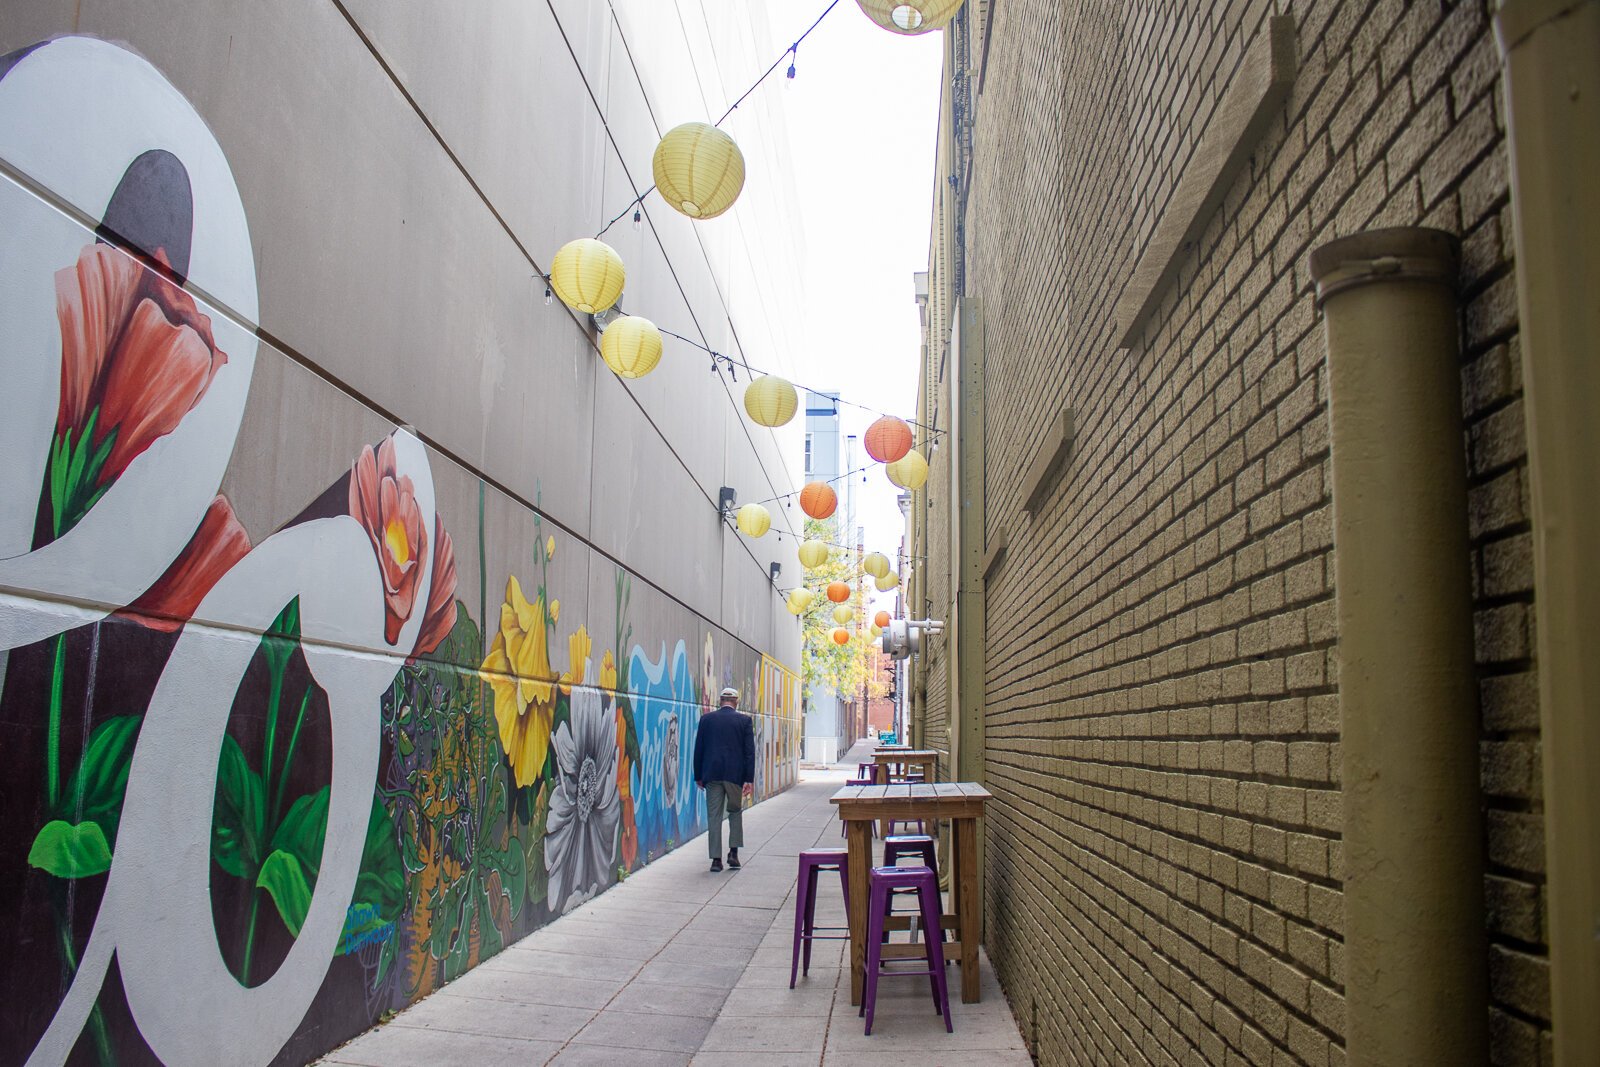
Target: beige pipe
<point>1551,56</point>
<point>1416,989</point>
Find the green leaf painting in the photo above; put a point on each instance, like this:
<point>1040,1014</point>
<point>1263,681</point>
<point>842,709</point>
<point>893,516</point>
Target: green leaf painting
<point>284,878</point>
<point>70,851</point>
<point>237,825</point>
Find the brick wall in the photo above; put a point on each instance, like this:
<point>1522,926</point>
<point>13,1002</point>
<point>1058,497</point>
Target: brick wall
<point>1164,858</point>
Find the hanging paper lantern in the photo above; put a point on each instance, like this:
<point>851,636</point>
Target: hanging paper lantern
<point>803,596</point>
<point>813,554</point>
<point>881,620</point>
<point>587,275</point>
<point>770,401</point>
<point>843,614</point>
<point>795,605</point>
<point>698,170</point>
<point>818,500</point>
<point>841,636</point>
<point>876,564</point>
<point>631,346</point>
<point>910,17</point>
<point>876,632</point>
<point>754,520</point>
<point>887,582</point>
<point>909,471</point>
<point>887,439</point>
<point>838,592</point>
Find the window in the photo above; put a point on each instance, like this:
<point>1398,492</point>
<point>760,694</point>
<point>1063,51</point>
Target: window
<point>808,454</point>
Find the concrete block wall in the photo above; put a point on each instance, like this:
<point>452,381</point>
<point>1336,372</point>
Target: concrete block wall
<point>1161,697</point>
<point>289,257</point>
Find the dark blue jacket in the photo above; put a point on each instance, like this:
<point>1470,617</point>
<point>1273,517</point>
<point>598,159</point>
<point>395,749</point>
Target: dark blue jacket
<point>725,748</point>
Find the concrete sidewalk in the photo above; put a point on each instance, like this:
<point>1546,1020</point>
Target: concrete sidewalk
<point>680,966</point>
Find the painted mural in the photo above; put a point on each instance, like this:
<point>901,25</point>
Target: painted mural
<point>263,790</point>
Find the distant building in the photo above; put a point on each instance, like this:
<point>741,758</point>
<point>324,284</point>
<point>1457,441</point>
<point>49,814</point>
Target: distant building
<point>830,729</point>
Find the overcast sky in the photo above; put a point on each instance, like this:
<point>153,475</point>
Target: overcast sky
<point>863,115</point>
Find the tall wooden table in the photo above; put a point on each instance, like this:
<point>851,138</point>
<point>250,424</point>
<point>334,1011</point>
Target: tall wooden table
<point>961,803</point>
<point>924,760</point>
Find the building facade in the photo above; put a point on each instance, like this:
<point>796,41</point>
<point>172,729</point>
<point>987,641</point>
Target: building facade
<point>1156,433</point>
<point>356,619</point>
<point>832,722</point>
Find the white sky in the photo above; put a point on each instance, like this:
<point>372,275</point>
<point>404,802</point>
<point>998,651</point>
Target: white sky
<point>863,121</point>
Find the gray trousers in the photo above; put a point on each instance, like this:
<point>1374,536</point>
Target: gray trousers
<point>720,797</point>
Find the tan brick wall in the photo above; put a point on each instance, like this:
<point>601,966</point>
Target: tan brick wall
<point>1164,859</point>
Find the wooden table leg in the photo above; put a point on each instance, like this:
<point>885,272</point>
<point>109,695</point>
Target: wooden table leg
<point>964,884</point>
<point>860,838</point>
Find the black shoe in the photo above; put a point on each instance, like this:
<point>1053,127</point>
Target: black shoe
<point>716,866</point>
<point>733,858</point>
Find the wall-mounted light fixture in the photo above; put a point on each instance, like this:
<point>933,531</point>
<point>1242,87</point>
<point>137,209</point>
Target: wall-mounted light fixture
<point>773,571</point>
<point>726,498</point>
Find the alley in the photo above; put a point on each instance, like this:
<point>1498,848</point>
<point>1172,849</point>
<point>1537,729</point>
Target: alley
<point>679,966</point>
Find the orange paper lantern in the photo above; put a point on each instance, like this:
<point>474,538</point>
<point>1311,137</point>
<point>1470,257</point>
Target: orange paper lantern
<point>841,636</point>
<point>888,439</point>
<point>838,592</point>
<point>881,620</point>
<point>818,500</point>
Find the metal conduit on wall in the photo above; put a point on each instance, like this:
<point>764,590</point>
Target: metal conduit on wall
<point>1551,53</point>
<point>1416,984</point>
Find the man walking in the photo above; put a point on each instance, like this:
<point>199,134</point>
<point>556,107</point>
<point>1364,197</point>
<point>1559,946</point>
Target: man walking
<point>725,767</point>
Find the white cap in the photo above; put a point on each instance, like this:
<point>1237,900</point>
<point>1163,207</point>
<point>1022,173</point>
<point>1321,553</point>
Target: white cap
<point>730,691</point>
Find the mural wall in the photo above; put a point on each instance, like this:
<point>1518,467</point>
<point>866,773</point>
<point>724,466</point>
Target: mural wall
<point>279,760</point>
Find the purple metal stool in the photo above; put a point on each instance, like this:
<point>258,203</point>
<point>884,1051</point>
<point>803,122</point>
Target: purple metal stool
<point>813,861</point>
<point>919,846</point>
<point>921,831</point>
<point>883,881</point>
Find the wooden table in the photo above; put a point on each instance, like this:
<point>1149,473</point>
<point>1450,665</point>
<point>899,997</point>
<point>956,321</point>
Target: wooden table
<point>925,760</point>
<point>961,803</point>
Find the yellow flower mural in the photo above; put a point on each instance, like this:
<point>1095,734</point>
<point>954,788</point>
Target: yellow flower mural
<point>578,646</point>
<point>608,672</point>
<point>518,670</point>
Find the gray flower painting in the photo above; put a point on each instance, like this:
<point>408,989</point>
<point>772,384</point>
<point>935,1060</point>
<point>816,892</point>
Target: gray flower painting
<point>585,807</point>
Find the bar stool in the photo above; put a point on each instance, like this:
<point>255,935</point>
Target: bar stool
<point>921,828</point>
<point>897,846</point>
<point>883,881</point>
<point>812,862</point>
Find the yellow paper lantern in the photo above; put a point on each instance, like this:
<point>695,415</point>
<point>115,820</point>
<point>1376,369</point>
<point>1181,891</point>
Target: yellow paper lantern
<point>587,275</point>
<point>876,564</point>
<point>909,471</point>
<point>631,346</point>
<point>887,582</point>
<point>804,597</point>
<point>770,401</point>
<point>698,170</point>
<point>813,554</point>
<point>754,520</point>
<point>910,17</point>
<point>877,632</point>
<point>843,614</point>
<point>841,636</point>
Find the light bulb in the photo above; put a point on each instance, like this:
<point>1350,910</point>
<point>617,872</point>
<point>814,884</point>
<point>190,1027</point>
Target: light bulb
<point>548,297</point>
<point>636,224</point>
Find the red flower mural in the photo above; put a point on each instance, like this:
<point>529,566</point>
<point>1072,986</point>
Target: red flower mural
<point>217,545</point>
<point>137,355</point>
<point>440,617</point>
<point>384,501</point>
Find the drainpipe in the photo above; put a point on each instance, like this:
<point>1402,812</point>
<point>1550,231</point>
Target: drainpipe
<point>1550,52</point>
<point>1416,984</point>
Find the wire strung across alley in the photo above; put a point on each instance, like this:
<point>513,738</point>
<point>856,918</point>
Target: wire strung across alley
<point>790,51</point>
<point>718,360</point>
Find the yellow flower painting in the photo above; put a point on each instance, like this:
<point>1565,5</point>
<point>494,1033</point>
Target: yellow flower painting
<point>518,670</point>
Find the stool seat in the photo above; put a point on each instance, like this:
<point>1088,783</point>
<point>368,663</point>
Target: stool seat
<point>812,862</point>
<point>922,880</point>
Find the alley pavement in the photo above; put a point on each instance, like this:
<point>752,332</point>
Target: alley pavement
<point>680,966</point>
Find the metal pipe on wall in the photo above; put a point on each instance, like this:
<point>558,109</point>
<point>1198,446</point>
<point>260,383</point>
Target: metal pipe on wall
<point>1416,983</point>
<point>1550,50</point>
